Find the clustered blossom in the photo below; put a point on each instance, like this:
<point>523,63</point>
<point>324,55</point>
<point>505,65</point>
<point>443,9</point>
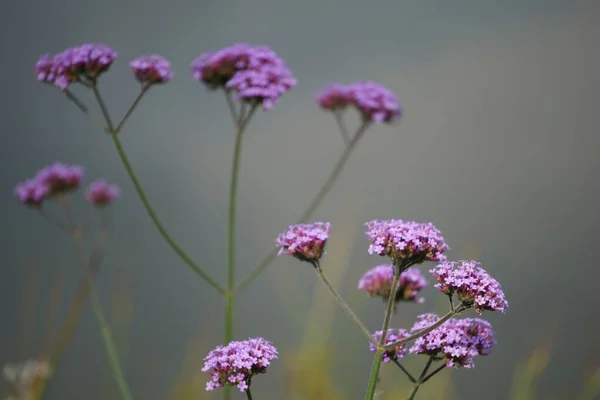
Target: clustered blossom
<point>306,242</point>
<point>375,102</point>
<point>406,242</point>
<point>21,378</point>
<point>393,335</point>
<point>378,282</point>
<point>151,69</point>
<point>472,284</point>
<point>457,341</point>
<point>236,363</point>
<point>101,193</point>
<point>255,73</point>
<point>51,180</point>
<point>83,63</point>
<point>60,178</point>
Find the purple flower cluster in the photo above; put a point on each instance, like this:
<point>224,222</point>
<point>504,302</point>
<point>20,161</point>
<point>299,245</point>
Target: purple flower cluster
<point>101,193</point>
<point>472,284</point>
<point>60,178</point>
<point>236,363</point>
<point>407,242</point>
<point>306,242</point>
<point>83,63</point>
<point>254,73</point>
<point>457,342</point>
<point>151,69</point>
<point>51,180</point>
<point>378,282</point>
<point>393,335</point>
<point>374,101</point>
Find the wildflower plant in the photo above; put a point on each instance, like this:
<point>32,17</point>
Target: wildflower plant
<point>250,78</point>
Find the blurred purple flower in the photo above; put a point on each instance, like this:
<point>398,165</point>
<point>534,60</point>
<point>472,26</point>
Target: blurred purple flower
<point>101,193</point>
<point>151,69</point>
<point>378,282</point>
<point>374,101</point>
<point>392,336</point>
<point>236,363</point>
<point>456,342</point>
<point>472,284</point>
<point>306,242</point>
<point>54,179</point>
<point>254,73</point>
<point>31,193</point>
<point>83,63</point>
<point>407,242</point>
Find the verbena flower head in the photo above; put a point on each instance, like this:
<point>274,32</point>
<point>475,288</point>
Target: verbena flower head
<point>83,63</point>
<point>457,342</point>
<point>22,378</point>
<point>306,242</point>
<point>472,285</point>
<point>236,363</point>
<point>406,242</point>
<point>373,101</point>
<point>254,73</point>
<point>31,193</point>
<point>378,282</point>
<point>151,69</point>
<point>393,335</point>
<point>101,193</point>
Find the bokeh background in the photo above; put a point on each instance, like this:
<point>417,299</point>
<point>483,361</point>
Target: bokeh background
<point>498,147</point>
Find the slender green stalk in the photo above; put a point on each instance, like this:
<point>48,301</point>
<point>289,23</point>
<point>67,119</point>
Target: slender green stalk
<point>331,179</point>
<point>408,374</point>
<point>422,378</point>
<point>134,179</point>
<point>342,303</point>
<point>158,224</point>
<point>241,124</point>
<point>414,391</point>
<point>248,394</point>
<point>386,322</point>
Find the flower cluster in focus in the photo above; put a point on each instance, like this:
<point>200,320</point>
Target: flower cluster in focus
<point>60,178</point>
<point>472,285</point>
<point>306,242</point>
<point>256,74</point>
<point>393,335</point>
<point>151,69</point>
<point>375,102</point>
<point>83,64</point>
<point>406,242</point>
<point>236,363</point>
<point>378,282</point>
<point>457,341</point>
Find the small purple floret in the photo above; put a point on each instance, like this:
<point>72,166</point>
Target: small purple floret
<point>472,284</point>
<point>83,63</point>
<point>406,242</point>
<point>306,242</point>
<point>236,363</point>
<point>457,342</point>
<point>374,101</point>
<point>101,193</point>
<point>393,335</point>
<point>378,282</point>
<point>256,74</point>
<point>54,179</point>
<point>151,69</point>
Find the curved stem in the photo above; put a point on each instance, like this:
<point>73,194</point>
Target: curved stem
<point>386,322</point>
<point>343,304</point>
<point>157,223</point>
<point>331,179</point>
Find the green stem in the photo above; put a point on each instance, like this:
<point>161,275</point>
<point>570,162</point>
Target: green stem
<point>331,179</point>
<point>342,303</point>
<point>422,379</point>
<point>248,394</point>
<point>386,322</point>
<point>408,374</point>
<point>414,391</point>
<point>157,223</point>
<point>136,183</point>
<point>241,124</point>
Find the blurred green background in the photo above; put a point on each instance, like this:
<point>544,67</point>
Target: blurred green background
<point>498,148</point>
